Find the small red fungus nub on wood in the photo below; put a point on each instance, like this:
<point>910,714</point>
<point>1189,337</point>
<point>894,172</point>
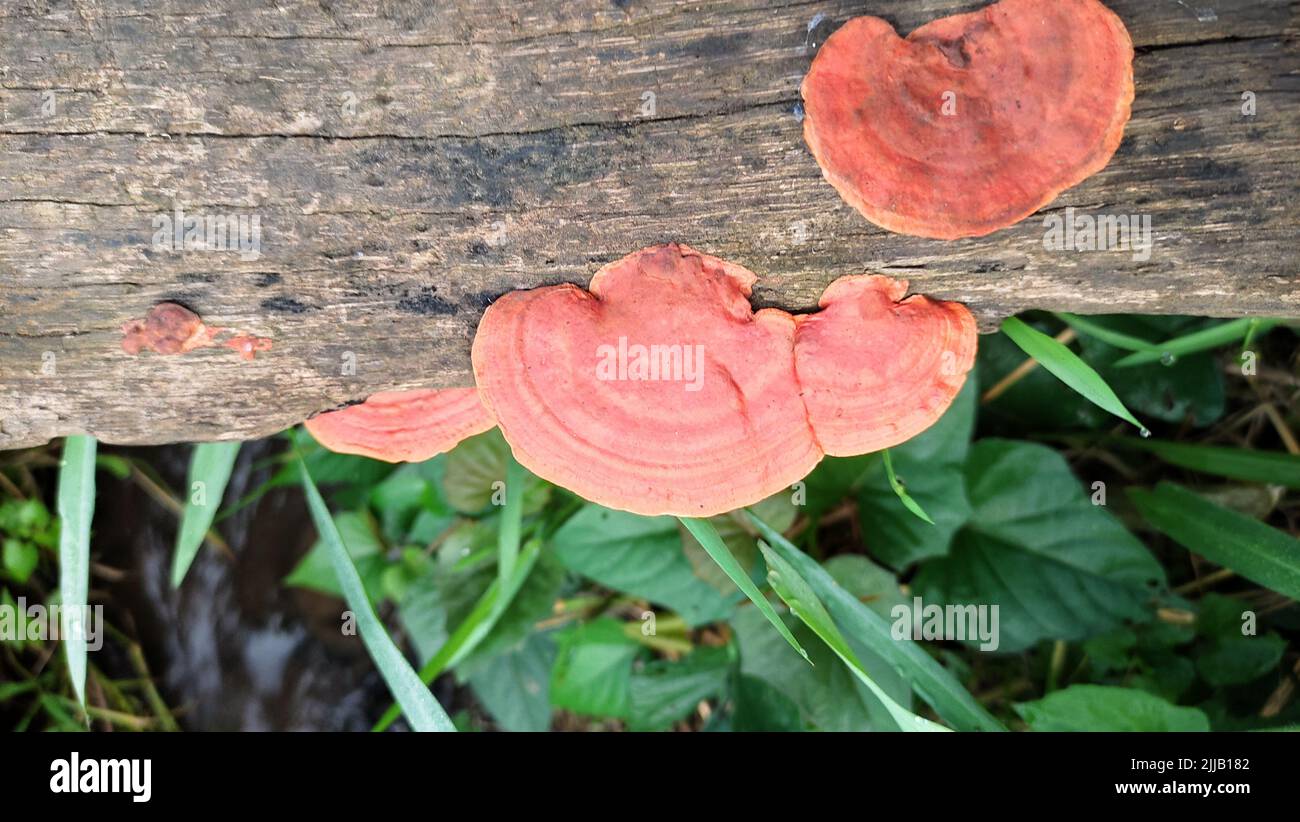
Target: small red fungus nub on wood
<point>248,345</point>
<point>168,328</point>
<point>972,122</point>
<point>661,391</point>
<point>403,426</point>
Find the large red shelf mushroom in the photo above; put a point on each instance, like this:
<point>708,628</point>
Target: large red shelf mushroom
<point>972,122</point>
<point>403,426</point>
<point>661,391</point>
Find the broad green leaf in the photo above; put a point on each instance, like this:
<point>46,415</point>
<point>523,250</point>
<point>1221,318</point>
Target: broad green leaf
<point>593,671</point>
<point>931,681</point>
<point>1056,566</point>
<point>1203,340</point>
<point>1266,467</point>
<point>640,556</point>
<point>476,474</point>
<point>20,558</point>
<point>1262,554</point>
<point>515,685</point>
<point>358,532</point>
<point>761,707</point>
<point>76,507</point>
<point>1067,367</point>
<point>664,692</point>
<point>1236,660</point>
<point>421,709</point>
<point>511,521</point>
<point>210,467</point>
<point>1106,708</point>
<point>721,554</point>
<point>804,604</point>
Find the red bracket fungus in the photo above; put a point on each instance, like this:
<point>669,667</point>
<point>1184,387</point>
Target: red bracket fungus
<point>661,391</point>
<point>972,122</point>
<point>403,426</point>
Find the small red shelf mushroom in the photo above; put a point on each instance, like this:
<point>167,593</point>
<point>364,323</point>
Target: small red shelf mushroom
<point>972,122</point>
<point>403,426</point>
<point>661,391</point>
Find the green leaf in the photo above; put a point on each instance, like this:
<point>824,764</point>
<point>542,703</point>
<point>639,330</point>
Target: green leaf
<point>210,467</point>
<point>20,559</point>
<point>421,709</point>
<point>761,707</point>
<point>931,466</point>
<point>476,469</point>
<point>1111,337</point>
<point>76,507</point>
<point>593,671</point>
<point>803,603</point>
<point>897,487</point>
<point>709,540</point>
<point>514,686</point>
<point>476,627</point>
<point>1266,467</point>
<point>664,692</point>
<point>931,681</point>
<point>1106,708</point>
<point>1236,660</point>
<point>778,509</point>
<point>1056,566</point>
<point>1203,340</point>
<point>1067,367</point>
<point>316,569</point>
<point>640,556</point>
<point>1262,554</point>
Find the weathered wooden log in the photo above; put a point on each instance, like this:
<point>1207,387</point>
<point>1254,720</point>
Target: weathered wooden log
<point>406,163</point>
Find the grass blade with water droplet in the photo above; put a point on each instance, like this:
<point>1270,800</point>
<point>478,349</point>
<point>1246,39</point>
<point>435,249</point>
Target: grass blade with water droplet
<point>1202,340</point>
<point>708,538</point>
<point>421,709</point>
<point>1066,366</point>
<point>76,506</point>
<point>210,464</point>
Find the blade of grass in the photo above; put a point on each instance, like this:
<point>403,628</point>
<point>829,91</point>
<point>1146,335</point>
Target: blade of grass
<point>511,520</point>
<point>908,503</point>
<point>1066,366</point>
<point>931,681</point>
<point>1202,340</point>
<point>421,709</point>
<point>210,464</point>
<point>798,596</point>
<point>1114,338</point>
<point>707,536</point>
<point>476,626</point>
<point>1256,551</point>
<point>1265,467</point>
<point>76,505</point>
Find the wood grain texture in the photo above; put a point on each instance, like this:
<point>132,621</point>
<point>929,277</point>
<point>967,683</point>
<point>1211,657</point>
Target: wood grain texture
<point>409,162</point>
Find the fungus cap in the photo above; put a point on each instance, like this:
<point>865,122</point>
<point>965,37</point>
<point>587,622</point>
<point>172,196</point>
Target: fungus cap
<point>661,391</point>
<point>403,426</point>
<point>972,122</point>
